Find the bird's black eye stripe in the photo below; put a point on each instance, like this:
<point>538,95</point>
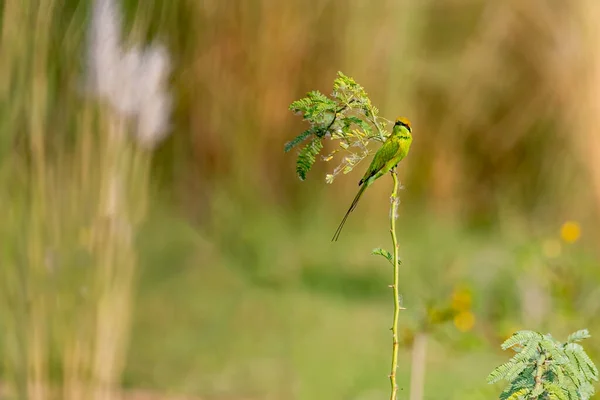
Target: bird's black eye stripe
<point>403,124</point>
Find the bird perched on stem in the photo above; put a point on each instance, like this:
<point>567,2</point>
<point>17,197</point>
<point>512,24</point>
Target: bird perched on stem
<point>394,149</point>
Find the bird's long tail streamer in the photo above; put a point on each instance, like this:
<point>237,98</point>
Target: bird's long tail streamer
<point>352,207</point>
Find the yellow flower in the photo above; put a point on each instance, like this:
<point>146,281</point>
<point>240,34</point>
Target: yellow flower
<point>461,299</point>
<point>464,321</point>
<point>570,231</point>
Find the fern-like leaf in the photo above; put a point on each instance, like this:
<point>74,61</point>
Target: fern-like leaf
<point>553,349</point>
<point>307,158</point>
<point>575,352</point>
<point>519,394</point>
<point>508,369</point>
<point>554,391</point>
<point>565,369</point>
<point>520,338</point>
<point>298,139</point>
<point>345,83</point>
<point>515,371</point>
<point>578,336</point>
<point>537,391</point>
<point>525,379</point>
<point>529,352</point>
<point>384,253</point>
<point>572,372</point>
<point>586,391</point>
<point>349,120</point>
<point>315,107</point>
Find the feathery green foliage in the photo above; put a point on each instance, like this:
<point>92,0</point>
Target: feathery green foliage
<point>384,253</point>
<point>545,368</point>
<point>307,157</point>
<point>348,116</point>
<point>299,139</point>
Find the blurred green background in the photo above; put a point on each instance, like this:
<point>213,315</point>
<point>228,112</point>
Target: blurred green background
<point>231,287</point>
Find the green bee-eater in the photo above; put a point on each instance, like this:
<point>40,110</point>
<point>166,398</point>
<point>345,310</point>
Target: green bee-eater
<point>387,157</point>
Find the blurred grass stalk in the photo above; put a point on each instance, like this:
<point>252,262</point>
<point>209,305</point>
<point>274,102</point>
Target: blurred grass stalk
<point>418,366</point>
<point>73,205</point>
<point>579,84</point>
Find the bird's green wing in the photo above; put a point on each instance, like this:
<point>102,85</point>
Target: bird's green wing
<point>384,154</point>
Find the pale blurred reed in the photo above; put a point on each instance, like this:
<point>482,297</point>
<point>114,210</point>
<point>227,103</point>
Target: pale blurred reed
<point>77,190</point>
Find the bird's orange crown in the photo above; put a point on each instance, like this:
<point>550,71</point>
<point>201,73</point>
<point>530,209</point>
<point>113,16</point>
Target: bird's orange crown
<point>403,121</point>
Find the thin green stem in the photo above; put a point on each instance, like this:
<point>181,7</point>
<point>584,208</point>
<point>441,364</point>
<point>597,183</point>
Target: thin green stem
<point>539,372</point>
<point>374,121</point>
<point>397,307</point>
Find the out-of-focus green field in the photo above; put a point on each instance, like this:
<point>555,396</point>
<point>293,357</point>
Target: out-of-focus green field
<point>270,319</point>
<point>201,266</point>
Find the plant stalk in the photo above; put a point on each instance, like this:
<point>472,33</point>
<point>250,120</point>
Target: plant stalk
<point>397,307</point>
